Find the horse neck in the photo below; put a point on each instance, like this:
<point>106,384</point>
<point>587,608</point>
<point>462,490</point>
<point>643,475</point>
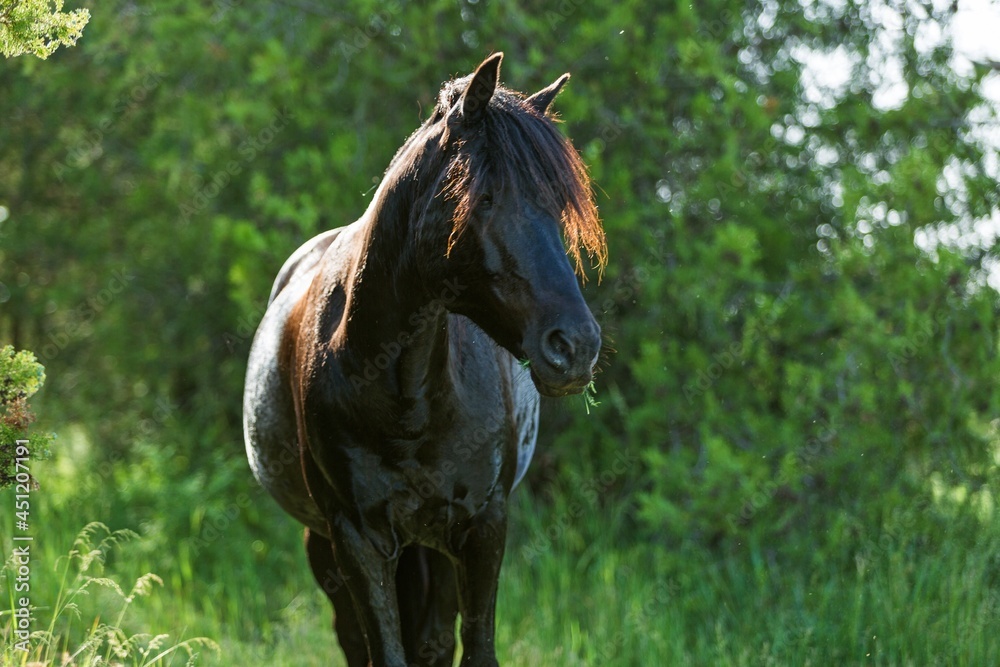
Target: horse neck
<point>395,331</point>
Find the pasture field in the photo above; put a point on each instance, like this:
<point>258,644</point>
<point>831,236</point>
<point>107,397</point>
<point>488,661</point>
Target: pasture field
<point>921,591</point>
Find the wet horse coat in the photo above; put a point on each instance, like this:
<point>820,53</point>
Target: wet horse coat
<point>385,405</point>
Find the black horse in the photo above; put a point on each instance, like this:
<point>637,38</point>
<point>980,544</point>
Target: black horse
<point>386,407</point>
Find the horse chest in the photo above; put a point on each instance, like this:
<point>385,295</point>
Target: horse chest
<point>425,488</point>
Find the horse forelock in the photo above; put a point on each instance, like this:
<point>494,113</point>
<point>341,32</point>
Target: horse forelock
<point>515,153</point>
<point>518,153</point>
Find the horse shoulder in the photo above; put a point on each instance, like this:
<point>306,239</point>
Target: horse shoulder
<point>303,259</point>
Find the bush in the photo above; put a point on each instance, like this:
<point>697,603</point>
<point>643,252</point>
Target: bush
<point>20,377</point>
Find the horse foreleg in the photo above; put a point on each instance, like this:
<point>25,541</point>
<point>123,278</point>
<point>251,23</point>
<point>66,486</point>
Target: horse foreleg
<point>428,606</point>
<point>332,581</point>
<point>479,559</point>
<point>371,580</point>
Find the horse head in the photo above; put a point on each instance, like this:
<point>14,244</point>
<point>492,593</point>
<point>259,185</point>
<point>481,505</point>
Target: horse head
<point>513,189</point>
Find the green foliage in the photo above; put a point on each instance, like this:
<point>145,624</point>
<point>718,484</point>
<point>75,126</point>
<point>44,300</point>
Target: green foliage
<point>20,378</point>
<point>38,27</point>
<point>103,641</point>
<point>800,346</point>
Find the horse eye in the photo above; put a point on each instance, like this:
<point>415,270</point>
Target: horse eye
<point>486,202</point>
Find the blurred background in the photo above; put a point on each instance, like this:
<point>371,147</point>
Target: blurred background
<point>794,459</point>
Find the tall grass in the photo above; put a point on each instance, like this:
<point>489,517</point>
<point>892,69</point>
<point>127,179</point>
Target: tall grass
<point>927,597</point>
<point>102,643</point>
<point>576,589</point>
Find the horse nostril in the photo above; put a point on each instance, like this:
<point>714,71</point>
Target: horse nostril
<point>557,350</point>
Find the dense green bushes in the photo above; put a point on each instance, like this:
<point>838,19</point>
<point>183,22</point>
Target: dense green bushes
<point>787,374</point>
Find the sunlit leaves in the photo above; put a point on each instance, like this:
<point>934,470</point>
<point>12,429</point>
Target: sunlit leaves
<point>38,27</point>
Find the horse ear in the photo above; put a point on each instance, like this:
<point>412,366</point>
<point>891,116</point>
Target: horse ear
<point>480,90</point>
<point>543,98</point>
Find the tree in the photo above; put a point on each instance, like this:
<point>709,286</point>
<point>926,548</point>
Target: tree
<point>38,27</point>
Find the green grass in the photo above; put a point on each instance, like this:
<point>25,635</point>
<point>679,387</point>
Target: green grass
<point>783,605</point>
<point>101,640</point>
<point>572,593</point>
<point>589,393</point>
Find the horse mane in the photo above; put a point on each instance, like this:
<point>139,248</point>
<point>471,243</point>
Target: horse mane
<point>519,153</point>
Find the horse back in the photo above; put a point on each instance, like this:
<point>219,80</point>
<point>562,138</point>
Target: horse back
<point>303,260</point>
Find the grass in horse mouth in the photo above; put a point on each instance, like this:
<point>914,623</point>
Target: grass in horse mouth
<point>590,397</point>
<point>589,392</point>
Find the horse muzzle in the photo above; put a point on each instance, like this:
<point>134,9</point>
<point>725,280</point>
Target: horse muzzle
<point>562,356</point>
